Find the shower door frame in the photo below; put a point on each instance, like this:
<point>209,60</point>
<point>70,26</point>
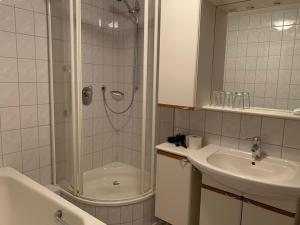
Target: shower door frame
<point>76,76</point>
<point>76,87</point>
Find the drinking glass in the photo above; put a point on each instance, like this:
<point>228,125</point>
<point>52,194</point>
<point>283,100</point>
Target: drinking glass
<point>238,100</point>
<point>216,98</point>
<point>246,100</point>
<point>228,99</point>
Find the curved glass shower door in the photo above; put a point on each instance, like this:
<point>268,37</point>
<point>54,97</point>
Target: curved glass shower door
<point>64,97</point>
<point>104,148</point>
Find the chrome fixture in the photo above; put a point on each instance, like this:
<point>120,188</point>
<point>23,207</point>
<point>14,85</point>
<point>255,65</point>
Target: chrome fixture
<point>132,10</point>
<point>256,148</point>
<point>87,95</point>
<point>58,217</point>
<point>117,95</point>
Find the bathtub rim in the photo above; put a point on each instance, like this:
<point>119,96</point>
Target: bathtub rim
<point>45,193</point>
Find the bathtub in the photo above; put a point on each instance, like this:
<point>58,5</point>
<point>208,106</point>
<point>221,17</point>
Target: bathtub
<point>25,202</point>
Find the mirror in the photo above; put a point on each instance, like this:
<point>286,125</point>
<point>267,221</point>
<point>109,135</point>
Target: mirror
<point>258,51</point>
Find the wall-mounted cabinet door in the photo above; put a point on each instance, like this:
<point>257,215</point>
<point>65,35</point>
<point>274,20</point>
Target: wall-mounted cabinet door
<point>219,209</point>
<point>254,215</point>
<point>186,52</point>
<point>179,30</point>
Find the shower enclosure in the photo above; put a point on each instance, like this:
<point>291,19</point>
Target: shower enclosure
<point>103,94</point>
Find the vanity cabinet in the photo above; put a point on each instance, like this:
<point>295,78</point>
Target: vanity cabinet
<point>177,190</point>
<point>223,206</point>
<point>253,214</point>
<point>186,53</point>
<point>219,208</point>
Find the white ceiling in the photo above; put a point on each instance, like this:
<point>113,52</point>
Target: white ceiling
<point>242,5</point>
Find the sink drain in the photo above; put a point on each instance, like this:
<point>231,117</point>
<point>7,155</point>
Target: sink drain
<point>116,182</point>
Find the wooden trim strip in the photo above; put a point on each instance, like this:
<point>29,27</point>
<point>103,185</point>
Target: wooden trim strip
<point>250,201</point>
<point>270,208</point>
<point>177,106</point>
<point>219,191</point>
<point>171,155</point>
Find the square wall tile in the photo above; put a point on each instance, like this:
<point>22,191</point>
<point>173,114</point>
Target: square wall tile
<point>30,160</point>
<point>9,94</point>
<point>10,118</point>
<point>45,175</point>
<point>11,141</point>
<point>44,135</point>
<point>7,18</point>
<point>24,21</point>
<point>40,22</point>
<point>8,46</point>
<point>250,126</point>
<point>43,93</point>
<point>182,118</point>
<point>43,115</point>
<point>26,47</point>
<point>291,134</point>
<point>8,70</point>
<point>42,71</point>
<point>197,120</point>
<point>271,150</point>
<point>41,48</point>
<point>213,122</point>
<point>272,130</point>
<point>13,160</point>
<point>29,138</point>
<point>28,93</point>
<point>231,124</point>
<point>27,70</point>
<point>230,142</point>
<point>291,154</point>
<point>29,116</point>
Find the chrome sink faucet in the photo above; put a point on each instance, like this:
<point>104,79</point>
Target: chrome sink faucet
<point>256,148</point>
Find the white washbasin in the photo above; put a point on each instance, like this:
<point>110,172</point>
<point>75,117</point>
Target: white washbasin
<point>235,169</point>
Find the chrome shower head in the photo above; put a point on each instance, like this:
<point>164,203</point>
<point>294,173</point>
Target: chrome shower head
<point>132,10</point>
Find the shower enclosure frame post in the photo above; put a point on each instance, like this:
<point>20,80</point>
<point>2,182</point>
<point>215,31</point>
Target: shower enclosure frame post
<point>145,78</point>
<point>79,187</point>
<point>154,109</point>
<point>51,93</point>
<point>74,101</point>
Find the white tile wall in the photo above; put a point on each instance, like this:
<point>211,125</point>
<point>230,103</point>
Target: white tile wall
<point>280,137</point>
<point>24,97</point>
<point>262,55</point>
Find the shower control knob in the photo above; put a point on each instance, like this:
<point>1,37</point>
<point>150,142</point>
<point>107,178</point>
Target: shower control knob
<point>87,95</point>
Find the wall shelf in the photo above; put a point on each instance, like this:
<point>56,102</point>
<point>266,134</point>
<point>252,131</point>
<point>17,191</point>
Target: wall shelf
<point>284,114</point>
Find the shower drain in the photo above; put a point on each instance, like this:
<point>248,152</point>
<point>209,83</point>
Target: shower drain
<point>116,182</point>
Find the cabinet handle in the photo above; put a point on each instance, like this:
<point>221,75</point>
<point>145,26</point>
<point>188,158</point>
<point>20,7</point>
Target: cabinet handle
<point>184,162</point>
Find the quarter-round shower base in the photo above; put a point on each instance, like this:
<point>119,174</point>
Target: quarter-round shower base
<point>112,191</point>
<point>113,182</point>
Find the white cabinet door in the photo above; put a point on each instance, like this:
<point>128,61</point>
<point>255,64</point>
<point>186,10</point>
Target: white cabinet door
<point>179,29</point>
<point>219,209</point>
<point>254,215</point>
<point>173,185</point>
